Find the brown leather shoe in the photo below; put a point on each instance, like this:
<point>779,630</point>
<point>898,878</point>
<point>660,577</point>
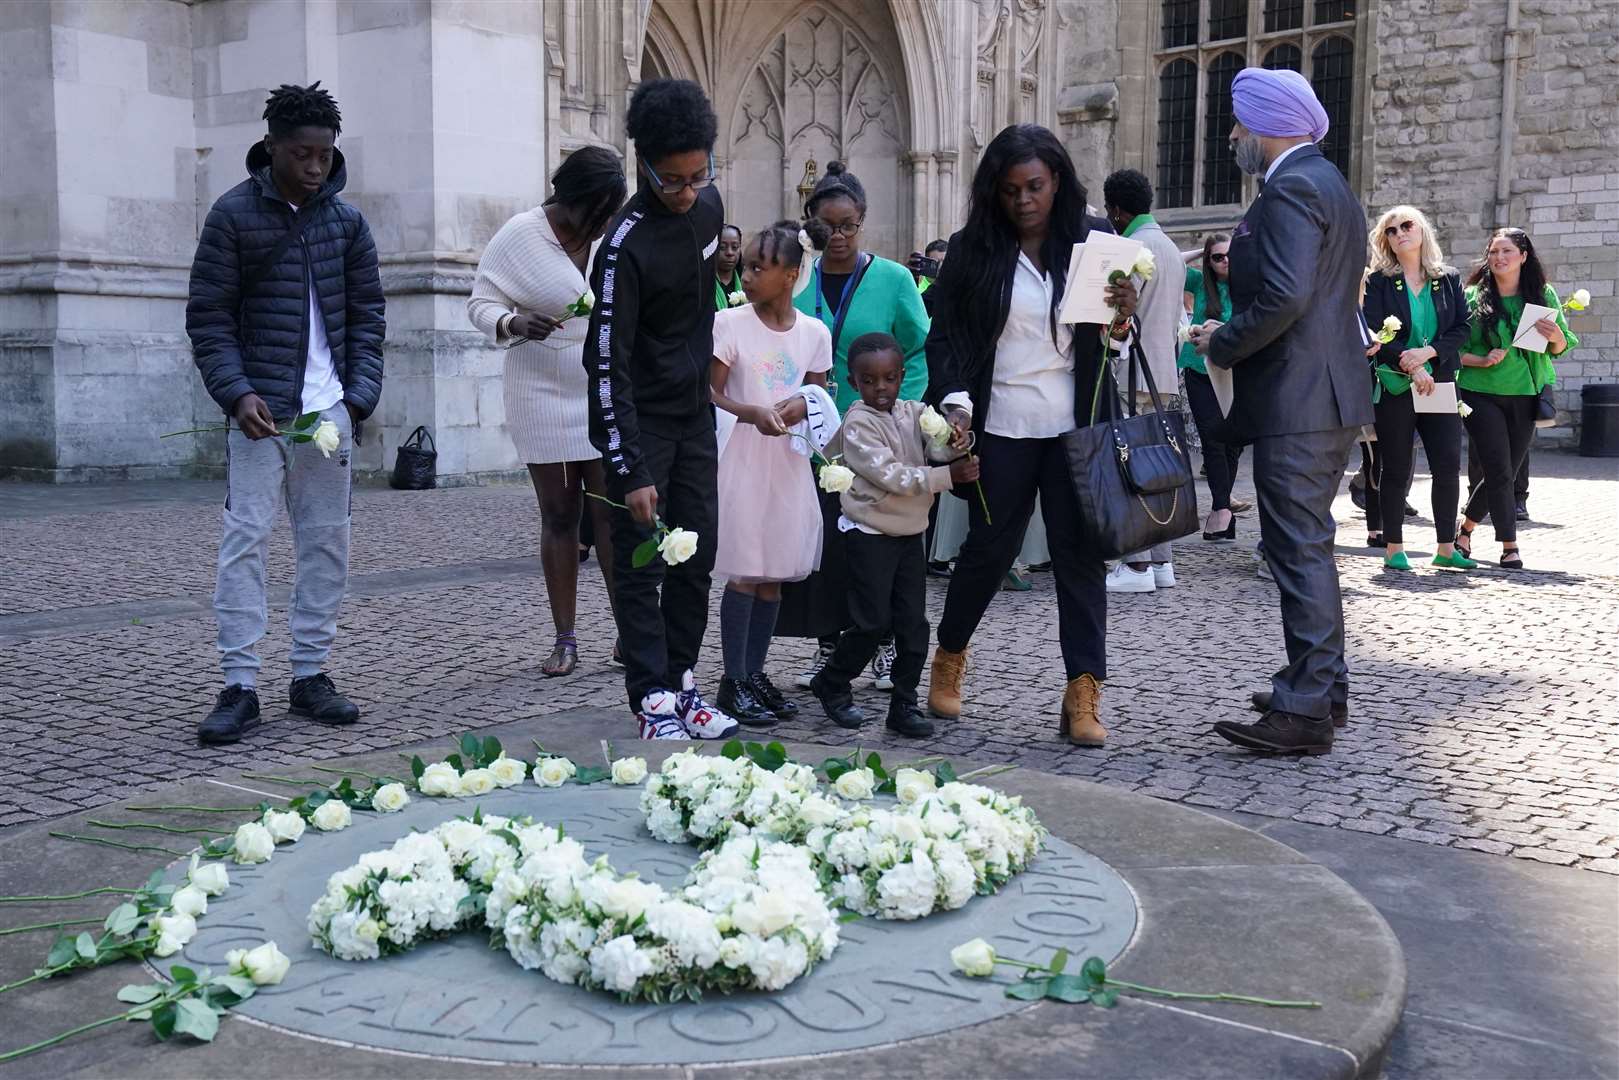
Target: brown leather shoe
<point>1081,722</point>
<point>944,683</point>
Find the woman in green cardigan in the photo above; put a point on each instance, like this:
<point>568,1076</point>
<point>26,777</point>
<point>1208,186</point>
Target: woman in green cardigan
<point>853,292</point>
<point>1501,382</point>
<point>1209,297</point>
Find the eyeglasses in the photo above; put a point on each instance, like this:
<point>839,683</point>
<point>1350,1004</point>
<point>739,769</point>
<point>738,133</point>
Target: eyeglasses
<point>1403,227</point>
<point>1218,256</point>
<point>675,187</point>
<point>846,230</point>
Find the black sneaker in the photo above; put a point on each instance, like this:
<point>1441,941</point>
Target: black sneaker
<point>907,718</point>
<point>1520,510</point>
<point>771,697</point>
<point>317,699</point>
<point>235,714</point>
<point>736,699</point>
<point>839,704</point>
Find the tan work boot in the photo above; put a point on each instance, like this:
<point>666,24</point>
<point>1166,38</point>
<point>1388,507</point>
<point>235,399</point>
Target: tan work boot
<point>1080,721</point>
<point>944,684</point>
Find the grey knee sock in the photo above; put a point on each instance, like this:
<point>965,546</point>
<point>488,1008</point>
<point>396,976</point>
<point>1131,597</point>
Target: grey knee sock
<point>736,617</point>
<point>760,630</point>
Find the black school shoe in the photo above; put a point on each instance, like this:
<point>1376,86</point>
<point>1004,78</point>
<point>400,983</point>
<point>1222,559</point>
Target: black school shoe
<point>738,700</point>
<point>771,697</point>
<point>236,712</point>
<point>839,704</point>
<point>315,698</point>
<point>907,718</point>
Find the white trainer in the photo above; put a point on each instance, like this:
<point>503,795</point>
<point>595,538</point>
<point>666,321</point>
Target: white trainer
<point>659,717</point>
<point>817,662</point>
<point>700,719</point>
<point>882,666</point>
<point>1122,579</point>
<point>1163,575</point>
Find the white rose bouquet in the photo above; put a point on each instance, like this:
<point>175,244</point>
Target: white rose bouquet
<point>390,900</point>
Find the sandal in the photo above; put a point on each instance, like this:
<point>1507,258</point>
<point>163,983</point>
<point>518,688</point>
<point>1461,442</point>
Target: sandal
<point>1512,560</point>
<point>563,659</point>
<point>1464,541</point>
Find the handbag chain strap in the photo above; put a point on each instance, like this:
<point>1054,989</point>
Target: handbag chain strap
<point>1173,506</point>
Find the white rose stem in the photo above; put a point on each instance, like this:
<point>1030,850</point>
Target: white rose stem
<point>250,791</point>
<point>918,763</point>
<point>607,753</point>
<point>346,772</point>
<point>987,770</point>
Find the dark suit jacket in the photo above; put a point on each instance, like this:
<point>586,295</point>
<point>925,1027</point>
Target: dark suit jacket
<point>1294,339</point>
<point>1386,295</point>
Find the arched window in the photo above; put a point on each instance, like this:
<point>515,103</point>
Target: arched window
<point>1177,132</point>
<point>1222,180</point>
<point>1332,74</point>
<point>1284,56</point>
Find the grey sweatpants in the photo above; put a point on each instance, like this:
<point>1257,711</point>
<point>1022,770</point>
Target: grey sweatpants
<point>316,488</point>
<point>1158,553</point>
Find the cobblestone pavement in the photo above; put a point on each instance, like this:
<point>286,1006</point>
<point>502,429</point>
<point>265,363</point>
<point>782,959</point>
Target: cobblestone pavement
<point>1482,713</point>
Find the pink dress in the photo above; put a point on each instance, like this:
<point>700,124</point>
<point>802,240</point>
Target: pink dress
<point>770,518</point>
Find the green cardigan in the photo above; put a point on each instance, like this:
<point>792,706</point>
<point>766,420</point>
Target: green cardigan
<point>886,301</point>
<point>1521,372</point>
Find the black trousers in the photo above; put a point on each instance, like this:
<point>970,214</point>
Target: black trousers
<point>1220,455</point>
<point>1297,477</point>
<point>1013,472</point>
<point>1371,463</point>
<point>660,635</point>
<point>887,596</point>
<point>1475,473</point>
<point>1500,430</point>
<point>1398,423</point>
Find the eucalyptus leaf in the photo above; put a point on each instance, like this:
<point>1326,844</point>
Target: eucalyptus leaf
<point>1028,989</point>
<point>197,1020</point>
<point>1069,988</point>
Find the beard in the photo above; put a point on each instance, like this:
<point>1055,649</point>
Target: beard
<point>1249,154</point>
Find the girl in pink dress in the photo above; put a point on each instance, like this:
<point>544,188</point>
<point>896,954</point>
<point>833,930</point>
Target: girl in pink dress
<point>770,518</point>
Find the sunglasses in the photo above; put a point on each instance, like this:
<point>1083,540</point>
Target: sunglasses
<point>1403,227</point>
<point>1218,256</point>
<point>675,187</point>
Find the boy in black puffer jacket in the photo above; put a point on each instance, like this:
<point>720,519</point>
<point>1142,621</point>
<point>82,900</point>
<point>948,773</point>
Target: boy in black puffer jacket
<point>286,320</point>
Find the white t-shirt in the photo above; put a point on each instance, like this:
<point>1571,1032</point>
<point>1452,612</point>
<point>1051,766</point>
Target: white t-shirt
<point>322,389</point>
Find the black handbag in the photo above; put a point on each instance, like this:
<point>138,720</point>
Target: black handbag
<point>1545,409</point>
<point>416,465</point>
<point>1132,475</point>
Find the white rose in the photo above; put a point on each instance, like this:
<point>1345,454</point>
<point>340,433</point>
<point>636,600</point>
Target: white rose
<point>1184,334</point>
<point>553,771</point>
<point>508,772</point>
<point>211,878</point>
<point>935,427</point>
<point>736,299</point>
<point>678,546</point>
<point>440,779</point>
<point>856,784</point>
<point>836,478</point>
<point>907,829</point>
<point>326,437</point>
<point>331,815</point>
<point>912,784</point>
<point>586,302</point>
<point>818,811</point>
<point>266,965</point>
<point>1582,297</point>
<point>253,843</point>
<point>629,770</point>
<point>975,958</point>
<point>477,782</point>
<point>390,798</point>
<point>737,952</point>
<point>173,932</point>
<point>284,825</point>
<point>189,900</point>
<point>1145,264</point>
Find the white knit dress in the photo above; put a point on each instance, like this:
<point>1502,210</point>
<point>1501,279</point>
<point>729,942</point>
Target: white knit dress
<point>525,270</point>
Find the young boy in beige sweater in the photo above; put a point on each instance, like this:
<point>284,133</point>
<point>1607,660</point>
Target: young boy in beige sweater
<point>884,516</point>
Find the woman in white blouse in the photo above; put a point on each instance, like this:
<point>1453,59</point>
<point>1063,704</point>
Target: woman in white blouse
<point>1003,367</point>
<point>533,269</point>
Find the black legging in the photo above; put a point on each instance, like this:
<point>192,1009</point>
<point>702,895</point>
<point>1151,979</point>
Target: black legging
<point>1397,423</point>
<point>1475,473</point>
<point>1219,456</point>
<point>1500,428</point>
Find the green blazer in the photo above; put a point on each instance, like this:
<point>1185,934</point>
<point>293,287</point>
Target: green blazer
<point>886,300</point>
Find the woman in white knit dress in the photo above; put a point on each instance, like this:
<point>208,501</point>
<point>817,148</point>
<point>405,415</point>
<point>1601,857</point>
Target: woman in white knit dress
<point>533,269</point>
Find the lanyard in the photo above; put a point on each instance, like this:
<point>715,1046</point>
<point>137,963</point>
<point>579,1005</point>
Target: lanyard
<point>848,285</point>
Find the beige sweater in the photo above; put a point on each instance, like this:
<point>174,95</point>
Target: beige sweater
<point>894,484</point>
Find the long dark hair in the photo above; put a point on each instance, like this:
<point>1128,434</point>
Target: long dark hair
<point>591,183</point>
<point>988,244</point>
<point>1212,308</point>
<point>1487,309</point>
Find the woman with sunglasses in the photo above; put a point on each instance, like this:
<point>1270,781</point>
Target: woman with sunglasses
<point>1409,280</point>
<point>1209,297</point>
<point>1501,381</point>
<point>854,292</point>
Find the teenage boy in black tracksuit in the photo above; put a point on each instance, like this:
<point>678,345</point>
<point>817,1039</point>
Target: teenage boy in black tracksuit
<point>647,354</point>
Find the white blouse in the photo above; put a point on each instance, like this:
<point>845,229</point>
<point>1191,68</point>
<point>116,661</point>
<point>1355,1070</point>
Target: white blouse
<point>1032,393</point>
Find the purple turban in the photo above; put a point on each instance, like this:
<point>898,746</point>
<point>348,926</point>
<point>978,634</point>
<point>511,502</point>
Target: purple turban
<point>1278,103</point>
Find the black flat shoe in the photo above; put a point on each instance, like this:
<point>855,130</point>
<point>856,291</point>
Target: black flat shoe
<point>906,718</point>
<point>235,713</point>
<point>315,698</point>
<point>1279,733</point>
<point>1376,542</point>
<point>771,697</point>
<point>838,704</point>
<point>1411,511</point>
<point>1260,703</point>
<point>736,699</point>
<point>1227,533</point>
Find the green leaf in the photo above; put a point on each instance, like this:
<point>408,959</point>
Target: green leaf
<point>182,974</point>
<point>1094,973</point>
<point>477,815</point>
<point>508,836</point>
<point>85,946</point>
<point>945,773</point>
<point>470,745</point>
<point>850,916</point>
<point>163,1021</point>
<point>154,881</point>
<point>63,951</point>
<point>197,1020</point>
<point>732,750</point>
<point>300,437</point>
<point>455,760</point>
<point>417,767</point>
<point>1105,998</point>
<point>306,421</point>
<point>1059,962</point>
<point>1069,988</point>
<point>874,761</point>
<point>135,993</point>
<point>591,774</point>
<point>491,750</point>
<point>1028,989</point>
<point>644,553</point>
<point>239,985</point>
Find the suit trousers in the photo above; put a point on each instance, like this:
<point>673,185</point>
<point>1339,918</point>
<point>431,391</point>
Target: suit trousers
<point>1012,473</point>
<point>887,596</point>
<point>1297,477</point>
<point>1398,423</point>
<point>660,635</point>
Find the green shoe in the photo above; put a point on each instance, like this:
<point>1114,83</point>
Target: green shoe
<point>1397,561</point>
<point>1456,561</point>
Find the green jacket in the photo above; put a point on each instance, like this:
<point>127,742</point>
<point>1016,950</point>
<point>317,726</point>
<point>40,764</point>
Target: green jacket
<point>886,300</point>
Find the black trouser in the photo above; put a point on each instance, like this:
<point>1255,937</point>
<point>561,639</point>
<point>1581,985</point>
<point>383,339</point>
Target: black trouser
<point>1475,473</point>
<point>1371,459</point>
<point>1398,422</point>
<point>887,596</point>
<point>1499,428</point>
<point>1013,472</point>
<point>1297,478</point>
<point>659,639</point>
<point>1220,456</point>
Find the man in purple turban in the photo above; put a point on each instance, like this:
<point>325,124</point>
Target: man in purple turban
<point>1301,389</point>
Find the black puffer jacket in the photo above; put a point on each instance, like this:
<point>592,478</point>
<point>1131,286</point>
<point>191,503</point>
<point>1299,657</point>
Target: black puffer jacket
<point>259,343</point>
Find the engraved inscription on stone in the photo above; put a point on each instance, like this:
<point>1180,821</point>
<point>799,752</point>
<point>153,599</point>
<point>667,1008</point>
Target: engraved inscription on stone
<point>887,981</point>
